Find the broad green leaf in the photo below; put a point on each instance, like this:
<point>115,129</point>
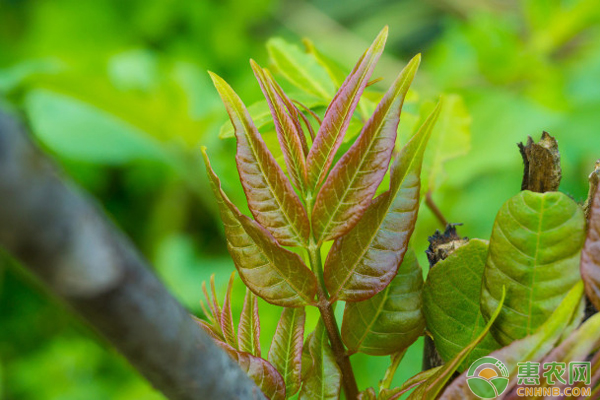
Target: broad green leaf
<point>324,379</point>
<point>590,256</point>
<point>451,303</point>
<point>287,130</point>
<point>363,262</point>
<point>262,373</point>
<point>391,320</point>
<point>300,69</point>
<point>340,111</point>
<point>286,350</point>
<point>418,379</point>
<point>270,271</point>
<point>79,131</point>
<point>349,189</point>
<point>450,139</point>
<point>271,198</point>
<point>531,348</point>
<point>534,252</point>
<point>249,327</point>
<point>227,318</point>
<point>433,386</point>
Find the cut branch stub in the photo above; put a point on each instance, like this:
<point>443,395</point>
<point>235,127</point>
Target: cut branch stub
<point>542,164</point>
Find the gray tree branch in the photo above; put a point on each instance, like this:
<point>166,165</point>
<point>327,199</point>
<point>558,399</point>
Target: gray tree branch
<point>62,235</point>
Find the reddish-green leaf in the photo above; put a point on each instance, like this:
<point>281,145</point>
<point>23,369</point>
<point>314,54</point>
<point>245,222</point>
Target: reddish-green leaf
<point>363,262</point>
<point>261,372</point>
<point>286,128</point>
<point>391,320</point>
<point>249,327</point>
<point>324,378</point>
<point>214,315</point>
<point>226,317</point>
<point>368,394</point>
<point>271,198</point>
<point>418,379</point>
<point>431,388</point>
<point>590,257</point>
<point>340,111</point>
<point>350,187</point>
<point>270,271</point>
<point>286,350</point>
<point>530,348</point>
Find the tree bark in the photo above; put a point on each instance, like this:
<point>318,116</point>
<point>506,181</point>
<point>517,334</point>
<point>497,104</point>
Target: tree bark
<point>62,235</point>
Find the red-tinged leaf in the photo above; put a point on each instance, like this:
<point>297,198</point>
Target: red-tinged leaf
<point>391,320</point>
<point>363,262</point>
<point>324,379</point>
<point>227,318</point>
<point>249,327</point>
<point>210,329</point>
<point>350,187</point>
<point>286,350</point>
<point>368,394</point>
<point>287,130</point>
<point>418,379</point>
<point>340,111</point>
<point>214,315</point>
<point>590,256</point>
<point>271,198</point>
<point>273,273</point>
<point>531,348</point>
<point>261,372</point>
<point>433,386</point>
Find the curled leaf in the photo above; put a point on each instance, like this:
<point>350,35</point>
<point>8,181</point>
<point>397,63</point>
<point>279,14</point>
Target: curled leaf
<point>534,251</point>
<point>349,189</point>
<point>270,271</point>
<point>271,198</point>
<point>391,320</point>
<point>364,261</point>
<point>226,317</point>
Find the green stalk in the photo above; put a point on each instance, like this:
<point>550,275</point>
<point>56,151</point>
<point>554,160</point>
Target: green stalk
<point>386,382</point>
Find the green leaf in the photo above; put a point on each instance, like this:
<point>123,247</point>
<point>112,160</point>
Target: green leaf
<point>534,252</point>
<point>324,379</point>
<point>340,111</point>
<point>418,379</point>
<point>288,130</point>
<point>363,262</point>
<point>262,373</point>
<point>450,139</point>
<point>79,131</point>
<point>226,317</point>
<point>271,198</point>
<point>451,303</point>
<point>286,350</point>
<point>391,320</point>
<point>349,189</point>
<point>431,388</point>
<point>300,69</point>
<point>590,256</point>
<point>531,348</point>
<point>249,327</point>
<point>270,271</point>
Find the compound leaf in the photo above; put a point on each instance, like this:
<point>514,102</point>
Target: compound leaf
<point>275,274</point>
<point>249,327</point>
<point>286,350</point>
<point>451,303</point>
<point>364,261</point>
<point>590,256</point>
<point>324,378</point>
<point>391,320</point>
<point>534,252</point>
<point>349,189</point>
<point>271,198</point>
<point>337,117</point>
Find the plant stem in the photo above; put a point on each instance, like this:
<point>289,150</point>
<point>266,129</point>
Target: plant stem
<point>435,210</point>
<point>386,382</point>
<point>328,317</point>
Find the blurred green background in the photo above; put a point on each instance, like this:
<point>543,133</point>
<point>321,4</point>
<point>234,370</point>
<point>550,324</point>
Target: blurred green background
<point>117,92</point>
